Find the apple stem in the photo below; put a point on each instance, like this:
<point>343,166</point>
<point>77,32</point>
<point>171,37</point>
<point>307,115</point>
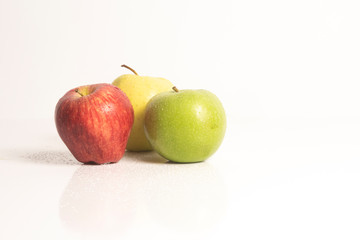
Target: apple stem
<point>77,90</point>
<point>175,89</point>
<point>125,66</point>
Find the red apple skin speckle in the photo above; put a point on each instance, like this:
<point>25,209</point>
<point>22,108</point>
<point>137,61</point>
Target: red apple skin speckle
<point>95,127</point>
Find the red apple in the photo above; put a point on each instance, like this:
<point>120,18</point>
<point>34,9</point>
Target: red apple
<point>94,121</point>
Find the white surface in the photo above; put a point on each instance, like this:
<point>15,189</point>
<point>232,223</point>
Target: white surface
<point>271,179</point>
<point>287,73</point>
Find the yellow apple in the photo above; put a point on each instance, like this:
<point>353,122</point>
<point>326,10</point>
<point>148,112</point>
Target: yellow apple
<point>140,89</point>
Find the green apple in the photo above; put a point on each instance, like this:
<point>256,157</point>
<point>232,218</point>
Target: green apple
<point>185,126</point>
<point>140,89</point>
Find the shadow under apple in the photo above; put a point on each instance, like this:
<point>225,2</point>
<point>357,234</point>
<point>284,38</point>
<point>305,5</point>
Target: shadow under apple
<point>51,157</point>
<point>145,157</point>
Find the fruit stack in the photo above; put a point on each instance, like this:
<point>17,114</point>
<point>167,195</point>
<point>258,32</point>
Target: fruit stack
<point>137,113</point>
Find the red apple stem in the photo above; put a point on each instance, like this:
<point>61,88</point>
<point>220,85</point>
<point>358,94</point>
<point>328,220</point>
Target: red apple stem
<point>175,89</point>
<point>77,90</point>
<point>125,66</point>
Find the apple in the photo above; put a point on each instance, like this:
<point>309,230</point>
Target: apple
<point>140,89</point>
<point>94,122</point>
<point>185,126</point>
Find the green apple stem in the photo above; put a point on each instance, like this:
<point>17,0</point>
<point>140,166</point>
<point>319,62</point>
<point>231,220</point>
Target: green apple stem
<point>175,89</point>
<point>125,66</point>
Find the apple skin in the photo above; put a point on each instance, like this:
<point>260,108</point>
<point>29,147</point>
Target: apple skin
<point>140,89</point>
<point>94,122</point>
<point>185,126</point>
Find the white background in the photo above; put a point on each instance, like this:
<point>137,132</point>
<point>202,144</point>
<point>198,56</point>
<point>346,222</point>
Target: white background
<point>262,58</point>
<point>287,73</point>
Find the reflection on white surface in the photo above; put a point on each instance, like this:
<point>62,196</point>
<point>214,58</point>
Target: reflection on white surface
<point>113,198</point>
<point>98,199</point>
<point>185,197</point>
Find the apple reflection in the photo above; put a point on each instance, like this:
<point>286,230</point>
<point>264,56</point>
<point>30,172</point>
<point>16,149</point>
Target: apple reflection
<point>98,199</point>
<point>113,198</point>
<point>186,197</point>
